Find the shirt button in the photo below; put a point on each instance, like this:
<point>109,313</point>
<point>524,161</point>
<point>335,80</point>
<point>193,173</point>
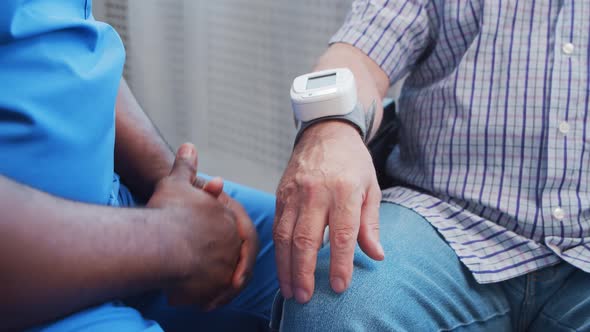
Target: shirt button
<point>564,127</point>
<point>558,213</point>
<point>567,48</point>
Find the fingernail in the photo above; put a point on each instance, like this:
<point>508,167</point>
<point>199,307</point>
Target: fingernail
<point>242,281</point>
<point>301,295</point>
<point>287,292</point>
<point>338,284</point>
<point>381,250</point>
<point>186,151</point>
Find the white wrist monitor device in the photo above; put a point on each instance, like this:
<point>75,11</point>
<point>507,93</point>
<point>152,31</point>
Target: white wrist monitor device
<point>329,92</point>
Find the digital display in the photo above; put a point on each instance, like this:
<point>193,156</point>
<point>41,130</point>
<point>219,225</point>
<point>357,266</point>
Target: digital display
<point>321,81</point>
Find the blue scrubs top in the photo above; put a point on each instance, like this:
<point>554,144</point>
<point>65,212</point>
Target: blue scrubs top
<point>59,75</point>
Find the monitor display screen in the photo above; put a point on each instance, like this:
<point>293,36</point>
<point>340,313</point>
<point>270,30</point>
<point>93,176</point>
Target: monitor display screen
<point>321,81</point>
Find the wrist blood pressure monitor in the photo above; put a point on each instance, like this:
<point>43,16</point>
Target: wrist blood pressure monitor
<point>326,95</point>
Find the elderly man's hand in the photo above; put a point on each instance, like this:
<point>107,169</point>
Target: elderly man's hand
<point>330,180</point>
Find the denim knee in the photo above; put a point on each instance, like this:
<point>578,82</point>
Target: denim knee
<point>374,302</point>
<point>421,286</point>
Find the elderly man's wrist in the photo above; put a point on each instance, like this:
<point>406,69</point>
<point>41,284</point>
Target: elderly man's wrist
<point>333,128</point>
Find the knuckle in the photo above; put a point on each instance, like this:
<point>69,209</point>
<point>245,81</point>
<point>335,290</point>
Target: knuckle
<point>372,226</point>
<point>281,238</point>
<point>344,184</point>
<point>345,209</point>
<point>286,189</point>
<point>302,273</point>
<point>306,182</point>
<point>343,236</point>
<point>304,241</point>
<point>286,215</point>
<point>312,188</point>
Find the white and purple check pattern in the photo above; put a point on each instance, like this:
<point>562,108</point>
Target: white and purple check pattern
<point>495,141</point>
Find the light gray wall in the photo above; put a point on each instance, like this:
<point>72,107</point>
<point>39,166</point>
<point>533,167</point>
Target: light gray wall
<point>218,73</point>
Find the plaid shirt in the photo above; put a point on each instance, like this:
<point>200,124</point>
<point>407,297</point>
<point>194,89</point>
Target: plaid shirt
<point>495,146</point>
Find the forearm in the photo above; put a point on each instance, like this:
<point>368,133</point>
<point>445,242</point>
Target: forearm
<point>142,157</point>
<point>372,83</point>
<point>58,256</point>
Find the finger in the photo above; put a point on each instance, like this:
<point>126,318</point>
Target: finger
<point>224,199</point>
<point>344,220</point>
<point>249,249</point>
<point>221,300</point>
<point>199,182</point>
<point>248,253</point>
<point>369,229</point>
<point>214,187</point>
<point>245,268</point>
<point>282,232</point>
<point>185,164</point>
<point>307,241</point>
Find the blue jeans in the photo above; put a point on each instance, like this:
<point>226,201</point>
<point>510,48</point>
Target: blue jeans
<point>249,311</point>
<point>422,286</point>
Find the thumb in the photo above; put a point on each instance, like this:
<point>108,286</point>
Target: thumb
<point>185,164</point>
<point>214,187</point>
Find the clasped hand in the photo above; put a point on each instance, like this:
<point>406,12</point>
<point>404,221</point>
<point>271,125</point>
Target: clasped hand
<point>215,242</point>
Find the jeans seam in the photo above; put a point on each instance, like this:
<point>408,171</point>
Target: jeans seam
<point>528,302</point>
<point>532,301</point>
<point>557,321</point>
<point>529,281</point>
<point>475,321</point>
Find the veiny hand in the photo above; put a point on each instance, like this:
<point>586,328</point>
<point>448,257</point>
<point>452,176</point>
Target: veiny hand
<point>330,180</point>
<point>205,234</point>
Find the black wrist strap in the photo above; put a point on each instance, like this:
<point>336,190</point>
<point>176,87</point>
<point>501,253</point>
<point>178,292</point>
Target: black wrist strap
<point>356,118</point>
